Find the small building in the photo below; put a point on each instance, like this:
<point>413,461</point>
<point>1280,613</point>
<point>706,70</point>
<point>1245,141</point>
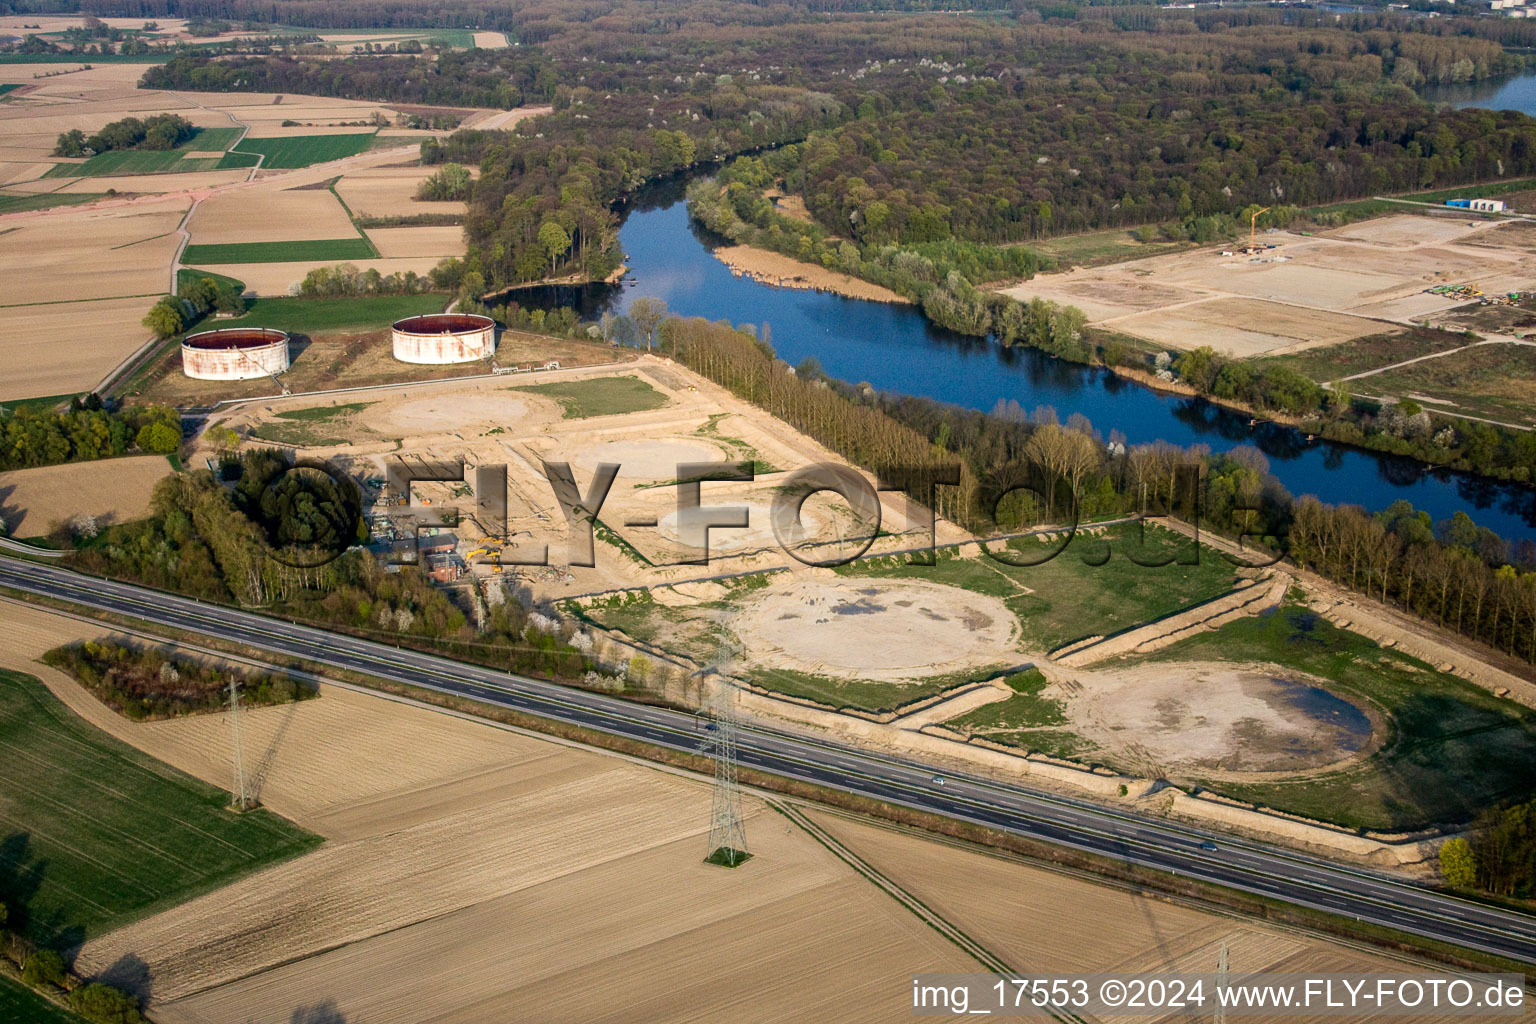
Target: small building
<point>437,543</point>
<point>1488,205</point>
<point>445,568</point>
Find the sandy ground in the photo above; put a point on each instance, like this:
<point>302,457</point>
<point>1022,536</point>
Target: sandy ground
<point>435,242</point>
<point>270,215</point>
<point>786,272</point>
<point>651,460</point>
<point>1323,289</point>
<point>47,350</point>
<point>1038,921</point>
<point>490,40</point>
<point>52,340</point>
<point>390,192</point>
<point>1247,327</point>
<point>873,629</point>
<point>1211,718</point>
<point>491,421</point>
<point>189,181</point>
<point>434,413</point>
<point>113,491</point>
<point>89,254</point>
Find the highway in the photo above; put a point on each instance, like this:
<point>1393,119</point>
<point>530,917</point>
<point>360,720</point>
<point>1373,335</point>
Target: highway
<point>1240,864</point>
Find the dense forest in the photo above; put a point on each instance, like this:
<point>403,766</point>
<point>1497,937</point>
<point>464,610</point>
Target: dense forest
<point>501,79</point>
<point>1051,119</point>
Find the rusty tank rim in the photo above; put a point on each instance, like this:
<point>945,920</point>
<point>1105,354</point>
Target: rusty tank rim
<point>227,338</point>
<point>435,324</point>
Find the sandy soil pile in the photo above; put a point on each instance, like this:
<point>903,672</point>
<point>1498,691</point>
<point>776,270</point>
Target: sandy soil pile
<point>873,629</point>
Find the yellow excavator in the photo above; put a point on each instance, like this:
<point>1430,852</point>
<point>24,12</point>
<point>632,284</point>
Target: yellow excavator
<point>489,547</point>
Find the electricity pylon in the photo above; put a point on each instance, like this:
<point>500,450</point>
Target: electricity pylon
<point>727,831</point>
<point>239,798</point>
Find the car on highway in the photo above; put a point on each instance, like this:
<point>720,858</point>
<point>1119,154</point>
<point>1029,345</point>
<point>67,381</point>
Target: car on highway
<point>1209,847</point>
<point>937,780</point>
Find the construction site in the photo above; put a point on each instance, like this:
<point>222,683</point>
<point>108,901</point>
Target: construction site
<point>969,661</point>
<point>1287,292</point>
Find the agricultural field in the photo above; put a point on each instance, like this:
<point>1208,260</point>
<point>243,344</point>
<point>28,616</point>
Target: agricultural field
<point>601,396</point>
<point>327,250</point>
<point>390,191</point>
<point>1037,920</point>
<point>261,215</point>
<point>406,242</point>
<point>23,1006</point>
<point>468,868</point>
<point>11,203</point>
<point>46,354</point>
<point>1492,381</point>
<point>145,161</point>
<point>84,279</point>
<point>84,855</point>
<point>110,490</point>
<point>304,150</point>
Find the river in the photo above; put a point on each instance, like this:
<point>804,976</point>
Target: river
<point>1517,93</point>
<point>895,348</point>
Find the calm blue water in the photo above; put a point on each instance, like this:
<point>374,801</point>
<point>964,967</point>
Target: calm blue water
<point>895,349</point>
<point>1518,93</point>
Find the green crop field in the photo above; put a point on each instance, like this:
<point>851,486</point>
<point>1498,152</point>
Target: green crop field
<point>20,1005</point>
<point>6,87</point>
<point>186,276</point>
<point>17,203</point>
<point>314,251</point>
<point>304,150</point>
<point>600,396</point>
<point>208,140</point>
<point>131,161</point>
<point>97,833</point>
<point>323,316</point>
<point>1453,750</point>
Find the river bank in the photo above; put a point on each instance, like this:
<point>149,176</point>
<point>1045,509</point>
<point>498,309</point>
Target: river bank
<point>779,271</point>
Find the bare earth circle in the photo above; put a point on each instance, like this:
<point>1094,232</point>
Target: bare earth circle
<point>648,459</point>
<point>874,629</point>
<point>758,533</point>
<point>1212,717</point>
<point>448,412</point>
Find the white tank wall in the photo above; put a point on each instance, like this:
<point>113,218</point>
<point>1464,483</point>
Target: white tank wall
<point>235,363</point>
<point>451,347</point>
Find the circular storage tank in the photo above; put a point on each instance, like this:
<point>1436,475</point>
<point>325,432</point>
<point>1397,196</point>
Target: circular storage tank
<point>234,353</point>
<point>444,338</point>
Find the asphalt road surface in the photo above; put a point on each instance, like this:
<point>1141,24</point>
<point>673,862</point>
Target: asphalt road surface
<point>1168,846</point>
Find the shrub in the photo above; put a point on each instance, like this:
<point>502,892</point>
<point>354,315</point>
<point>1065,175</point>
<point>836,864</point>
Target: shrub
<point>44,967</point>
<point>104,1004</point>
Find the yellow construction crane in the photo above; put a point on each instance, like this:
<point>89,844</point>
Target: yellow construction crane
<point>1253,228</point>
